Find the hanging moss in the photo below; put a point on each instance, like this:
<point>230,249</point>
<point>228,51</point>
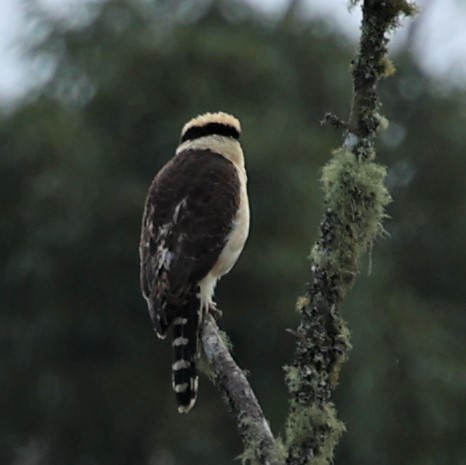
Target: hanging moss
<point>354,190</point>
<point>355,198</point>
<point>314,422</point>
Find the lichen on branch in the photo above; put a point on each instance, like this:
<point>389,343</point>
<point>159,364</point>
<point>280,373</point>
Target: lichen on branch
<point>371,62</point>
<point>355,198</point>
<point>355,192</point>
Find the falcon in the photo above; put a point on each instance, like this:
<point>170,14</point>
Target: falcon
<point>195,224</point>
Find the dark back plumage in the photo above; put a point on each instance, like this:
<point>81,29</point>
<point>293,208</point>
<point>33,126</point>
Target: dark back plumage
<point>188,216</point>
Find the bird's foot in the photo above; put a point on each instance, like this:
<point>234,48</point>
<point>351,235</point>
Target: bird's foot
<point>214,311</point>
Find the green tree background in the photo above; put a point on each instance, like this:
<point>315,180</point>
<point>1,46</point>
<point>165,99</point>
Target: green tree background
<point>83,379</point>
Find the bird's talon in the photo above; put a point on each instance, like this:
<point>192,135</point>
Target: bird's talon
<point>215,312</point>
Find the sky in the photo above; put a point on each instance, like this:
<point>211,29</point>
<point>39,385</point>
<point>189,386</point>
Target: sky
<point>440,39</point>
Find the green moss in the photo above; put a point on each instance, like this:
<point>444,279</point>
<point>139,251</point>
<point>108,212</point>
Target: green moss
<point>302,302</point>
<point>389,69</point>
<point>252,445</point>
<point>226,340</point>
<point>355,199</point>
<point>354,190</point>
<point>252,449</point>
<point>292,378</point>
<point>383,122</point>
<point>205,367</point>
<point>313,422</point>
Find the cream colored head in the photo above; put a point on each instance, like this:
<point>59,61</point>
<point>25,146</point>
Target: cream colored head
<point>209,124</point>
<point>218,132</point>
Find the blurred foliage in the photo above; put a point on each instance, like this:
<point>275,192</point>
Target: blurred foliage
<point>83,379</point>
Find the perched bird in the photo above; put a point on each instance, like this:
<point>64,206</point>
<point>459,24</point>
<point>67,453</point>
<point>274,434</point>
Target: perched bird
<point>195,224</point>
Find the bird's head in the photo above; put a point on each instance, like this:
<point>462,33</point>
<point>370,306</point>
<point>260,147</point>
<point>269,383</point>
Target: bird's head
<point>211,124</point>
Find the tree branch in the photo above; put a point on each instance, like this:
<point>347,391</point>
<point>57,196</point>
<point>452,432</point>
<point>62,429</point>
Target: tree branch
<point>355,198</point>
<point>260,445</point>
<point>371,62</point>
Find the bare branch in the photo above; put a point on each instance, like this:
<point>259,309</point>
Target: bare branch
<point>260,445</point>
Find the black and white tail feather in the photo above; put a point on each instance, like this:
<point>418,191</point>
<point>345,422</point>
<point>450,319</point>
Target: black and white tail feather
<point>184,319</point>
<point>185,339</point>
<point>195,224</point>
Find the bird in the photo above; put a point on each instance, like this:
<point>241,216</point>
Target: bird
<point>194,227</point>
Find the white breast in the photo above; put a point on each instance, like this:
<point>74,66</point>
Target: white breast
<point>233,247</point>
<point>236,238</point>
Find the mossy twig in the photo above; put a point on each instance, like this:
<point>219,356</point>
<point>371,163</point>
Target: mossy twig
<point>355,198</point>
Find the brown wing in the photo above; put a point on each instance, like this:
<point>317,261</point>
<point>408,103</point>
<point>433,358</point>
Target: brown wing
<point>189,214</point>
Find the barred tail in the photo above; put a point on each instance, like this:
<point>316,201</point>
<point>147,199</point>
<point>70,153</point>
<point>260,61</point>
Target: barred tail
<point>185,339</point>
